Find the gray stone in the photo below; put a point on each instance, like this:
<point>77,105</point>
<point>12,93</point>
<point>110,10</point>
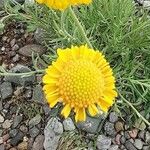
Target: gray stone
<point>2,145</point>
<point>146,4</point>
<point>20,80</point>
<point>7,124</point>
<point>103,142</point>
<point>34,121</point>
<point>1,131</point>
<point>52,132</point>
<point>6,90</point>
<point>141,134</point>
<point>18,138</point>
<point>138,143</point>
<point>13,133</point>
<point>1,119</point>
<point>126,135</point>
<point>38,143</point>
<point>38,95</point>
<point>39,35</point>
<point>1,140</point>
<point>68,124</point>
<point>32,48</point>
<point>122,139</point>
<point>34,132</point>
<point>129,146</point>
<point>90,125</point>
<point>1,105</point>
<point>110,129</point>
<point>113,147</point>
<point>17,120</point>
<point>147,137</point>
<point>113,117</point>
<point>146,147</point>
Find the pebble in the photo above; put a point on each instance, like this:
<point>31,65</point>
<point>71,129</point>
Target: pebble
<point>113,147</point>
<point>13,132</point>
<point>17,120</point>
<point>109,129</point>
<point>39,35</point>
<point>7,124</point>
<point>133,133</point>
<point>1,140</point>
<point>141,134</point>
<point>113,117</point>
<point>26,80</point>
<point>31,48</point>
<point>23,128</point>
<point>147,137</point>
<point>38,143</point>
<point>129,145</point>
<point>103,142</point>
<point>34,132</point>
<point>2,147</point>
<point>119,126</point>
<point>126,135</point>
<point>1,119</point>
<point>146,148</point>
<point>118,139</point>
<point>18,138</point>
<point>138,143</point>
<point>68,124</point>
<point>90,125</point>
<point>52,132</point>
<point>38,95</point>
<point>6,90</point>
<point>22,146</point>
<point>15,47</point>
<point>34,121</point>
<point>122,139</point>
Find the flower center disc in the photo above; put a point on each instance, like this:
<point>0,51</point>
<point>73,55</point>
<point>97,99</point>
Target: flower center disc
<point>81,83</point>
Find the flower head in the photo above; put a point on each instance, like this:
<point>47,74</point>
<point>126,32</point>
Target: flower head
<point>82,80</point>
<point>62,4</point>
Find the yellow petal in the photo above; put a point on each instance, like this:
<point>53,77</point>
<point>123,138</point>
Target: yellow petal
<point>49,88</point>
<point>93,110</point>
<point>104,106</point>
<point>80,115</point>
<point>66,110</point>
<point>52,99</point>
<point>49,80</point>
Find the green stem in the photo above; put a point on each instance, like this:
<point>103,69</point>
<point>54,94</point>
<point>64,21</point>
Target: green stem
<point>21,74</point>
<point>138,114</point>
<point>80,27</point>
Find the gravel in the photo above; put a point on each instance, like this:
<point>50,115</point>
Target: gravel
<point>138,143</point>
<point>129,146</point>
<point>109,129</point>
<point>113,117</point>
<point>34,121</point>
<point>68,124</point>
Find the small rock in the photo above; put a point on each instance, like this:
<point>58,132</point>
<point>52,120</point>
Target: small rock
<point>133,133</point>
<point>16,58</point>
<point>1,140</point>
<point>1,131</point>
<point>38,95</point>
<point>68,124</point>
<point>123,139</point>
<point>118,139</point>
<point>138,143</point>
<point>90,125</point>
<point>34,132</point>
<point>13,133</point>
<point>1,119</point>
<point>146,148</point>
<point>103,142</point>
<point>113,147</point>
<point>113,117</point>
<point>146,4</point>
<point>119,126</point>
<point>23,128</point>
<point>46,109</point>
<point>147,137</point>
<point>22,146</point>
<point>52,132</point>
<point>2,145</point>
<point>19,80</point>
<point>109,129</point>
<point>18,138</point>
<point>32,48</point>
<point>141,134</point>
<point>39,35</point>
<point>126,135</point>
<point>17,121</point>
<point>6,90</point>
<point>15,47</point>
<point>131,140</point>
<point>34,121</point>
<point>12,42</point>
<point>7,124</point>
<point>1,105</point>
<point>5,137</point>
<point>129,146</point>
<point>38,143</point>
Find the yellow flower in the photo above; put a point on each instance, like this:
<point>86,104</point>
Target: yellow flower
<point>62,4</point>
<point>82,80</point>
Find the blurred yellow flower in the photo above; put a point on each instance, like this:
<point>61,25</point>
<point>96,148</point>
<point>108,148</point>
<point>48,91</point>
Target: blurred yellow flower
<point>82,80</point>
<point>62,4</point>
